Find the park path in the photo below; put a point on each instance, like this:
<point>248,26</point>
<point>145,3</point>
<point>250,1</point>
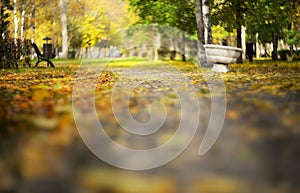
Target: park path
<point>258,146</point>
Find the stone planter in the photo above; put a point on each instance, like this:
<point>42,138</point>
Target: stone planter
<point>221,56</point>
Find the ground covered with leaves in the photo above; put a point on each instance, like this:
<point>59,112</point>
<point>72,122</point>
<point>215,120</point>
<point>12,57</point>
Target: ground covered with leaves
<point>41,150</point>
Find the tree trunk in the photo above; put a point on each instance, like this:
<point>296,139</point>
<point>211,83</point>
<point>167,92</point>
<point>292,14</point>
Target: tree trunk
<point>173,46</point>
<point>65,48</point>
<point>16,22</point>
<point>32,16</point>
<point>183,58</point>
<point>5,5</point>
<point>275,46</point>
<point>1,21</point>
<point>23,20</point>
<point>56,50</point>
<point>207,22</point>
<point>155,53</point>
<point>257,48</point>
<point>243,39</point>
<point>202,62</point>
<point>156,43</point>
<point>239,43</point>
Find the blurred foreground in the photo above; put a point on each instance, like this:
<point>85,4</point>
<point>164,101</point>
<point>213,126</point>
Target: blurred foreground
<point>258,149</point>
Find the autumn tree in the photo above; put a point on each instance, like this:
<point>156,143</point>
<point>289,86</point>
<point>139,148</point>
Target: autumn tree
<point>5,6</point>
<point>16,20</point>
<point>4,14</point>
<point>96,21</point>
<point>232,15</point>
<point>292,34</point>
<point>41,20</point>
<point>273,20</point>
<point>36,19</point>
<point>179,14</point>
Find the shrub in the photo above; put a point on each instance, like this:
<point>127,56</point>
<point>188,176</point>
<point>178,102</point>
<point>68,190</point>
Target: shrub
<point>284,54</point>
<point>289,54</point>
<point>14,54</point>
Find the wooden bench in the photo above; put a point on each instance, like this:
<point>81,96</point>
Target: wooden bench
<point>42,57</point>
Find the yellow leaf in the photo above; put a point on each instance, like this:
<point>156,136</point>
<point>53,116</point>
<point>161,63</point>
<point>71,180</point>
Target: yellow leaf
<point>40,95</point>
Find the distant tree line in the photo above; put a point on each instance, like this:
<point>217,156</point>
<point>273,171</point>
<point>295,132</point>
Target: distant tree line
<point>264,21</point>
<point>72,24</point>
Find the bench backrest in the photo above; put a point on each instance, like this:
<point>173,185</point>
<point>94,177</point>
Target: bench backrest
<point>36,49</point>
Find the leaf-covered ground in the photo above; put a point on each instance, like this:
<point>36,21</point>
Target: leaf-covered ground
<point>41,150</point>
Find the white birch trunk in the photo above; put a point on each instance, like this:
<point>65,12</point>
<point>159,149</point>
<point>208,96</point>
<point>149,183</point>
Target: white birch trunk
<point>244,42</point>
<point>65,48</point>
<point>207,22</point>
<point>32,16</point>
<point>202,62</point>
<point>23,20</point>
<point>156,43</point>
<point>16,22</point>
<point>257,47</point>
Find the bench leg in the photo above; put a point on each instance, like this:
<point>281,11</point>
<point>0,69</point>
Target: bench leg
<point>50,63</point>
<point>37,63</point>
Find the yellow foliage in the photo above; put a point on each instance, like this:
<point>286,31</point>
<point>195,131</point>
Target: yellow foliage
<point>96,19</point>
